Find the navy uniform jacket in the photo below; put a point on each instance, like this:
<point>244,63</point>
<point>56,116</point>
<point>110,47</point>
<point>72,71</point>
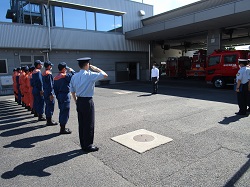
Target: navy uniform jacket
<point>48,83</point>
<point>36,81</point>
<point>61,84</point>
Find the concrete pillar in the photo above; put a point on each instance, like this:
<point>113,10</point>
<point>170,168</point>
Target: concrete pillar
<point>213,41</point>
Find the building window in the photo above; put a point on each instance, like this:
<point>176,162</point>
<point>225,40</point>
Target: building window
<point>105,22</point>
<point>58,19</point>
<point>81,19</point>
<point>26,60</point>
<point>73,18</point>
<point>89,20</point>
<point>3,66</point>
<point>39,58</point>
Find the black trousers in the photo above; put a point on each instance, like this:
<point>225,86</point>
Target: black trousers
<point>155,84</point>
<point>242,98</point>
<point>86,120</point>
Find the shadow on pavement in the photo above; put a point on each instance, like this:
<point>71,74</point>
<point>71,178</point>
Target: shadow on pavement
<point>37,167</point>
<point>19,131</point>
<point>180,89</point>
<point>28,142</point>
<point>238,174</point>
<point>231,119</point>
<point>15,125</point>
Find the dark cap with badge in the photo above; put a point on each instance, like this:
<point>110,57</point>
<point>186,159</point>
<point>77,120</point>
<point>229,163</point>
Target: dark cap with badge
<point>47,64</point>
<point>38,62</point>
<point>242,61</point>
<point>62,65</point>
<point>31,68</point>
<point>85,59</point>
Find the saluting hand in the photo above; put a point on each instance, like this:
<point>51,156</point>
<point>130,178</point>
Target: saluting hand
<point>93,67</point>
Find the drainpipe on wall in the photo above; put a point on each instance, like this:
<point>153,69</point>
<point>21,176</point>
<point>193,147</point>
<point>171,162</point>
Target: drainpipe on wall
<point>49,34</point>
<point>149,60</point>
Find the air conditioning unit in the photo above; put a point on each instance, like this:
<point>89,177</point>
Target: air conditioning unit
<point>6,80</point>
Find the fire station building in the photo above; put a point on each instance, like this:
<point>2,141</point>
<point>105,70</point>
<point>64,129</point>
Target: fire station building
<point>121,36</point>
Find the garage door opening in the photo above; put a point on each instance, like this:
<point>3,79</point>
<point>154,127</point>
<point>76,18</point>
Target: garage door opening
<point>127,71</point>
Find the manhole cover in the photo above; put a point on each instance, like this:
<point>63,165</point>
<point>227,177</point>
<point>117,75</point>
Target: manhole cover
<point>143,138</point>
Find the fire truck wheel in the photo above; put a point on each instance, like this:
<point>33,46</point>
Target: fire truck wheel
<point>219,82</point>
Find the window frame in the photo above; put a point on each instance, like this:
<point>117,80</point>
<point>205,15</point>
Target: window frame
<point>217,56</point>
<point>6,67</point>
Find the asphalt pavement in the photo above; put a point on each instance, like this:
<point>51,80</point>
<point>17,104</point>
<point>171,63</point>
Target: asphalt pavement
<point>210,147</point>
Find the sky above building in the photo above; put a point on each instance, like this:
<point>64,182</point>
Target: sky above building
<point>161,6</point>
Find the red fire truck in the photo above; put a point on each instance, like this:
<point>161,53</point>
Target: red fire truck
<point>222,66</point>
<point>177,66</point>
<point>198,64</point>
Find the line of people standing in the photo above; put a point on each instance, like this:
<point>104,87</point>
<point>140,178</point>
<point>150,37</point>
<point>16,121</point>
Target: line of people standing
<point>44,87</point>
<point>35,91</point>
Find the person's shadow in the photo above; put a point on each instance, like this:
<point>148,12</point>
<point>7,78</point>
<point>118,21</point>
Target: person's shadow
<point>231,119</point>
<point>145,95</point>
<point>19,131</point>
<point>28,142</point>
<point>37,167</point>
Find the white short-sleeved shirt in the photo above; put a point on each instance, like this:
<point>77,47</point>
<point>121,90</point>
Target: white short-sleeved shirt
<point>83,83</point>
<point>155,72</point>
<point>243,75</point>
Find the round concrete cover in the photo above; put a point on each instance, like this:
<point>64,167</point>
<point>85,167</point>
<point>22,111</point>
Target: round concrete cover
<point>143,138</point>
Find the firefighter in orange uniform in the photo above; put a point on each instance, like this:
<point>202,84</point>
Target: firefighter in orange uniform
<point>21,83</point>
<point>14,84</point>
<point>26,89</point>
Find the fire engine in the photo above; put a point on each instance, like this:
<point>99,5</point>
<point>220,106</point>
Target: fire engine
<point>222,66</point>
<point>198,64</point>
<point>177,66</point>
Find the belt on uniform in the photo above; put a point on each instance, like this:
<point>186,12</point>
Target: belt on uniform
<point>84,98</point>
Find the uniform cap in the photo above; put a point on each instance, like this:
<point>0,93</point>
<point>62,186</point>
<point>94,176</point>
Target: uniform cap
<point>14,69</point>
<point>47,64</point>
<point>62,65</point>
<point>18,68</point>
<point>31,68</point>
<point>242,61</point>
<point>84,59</point>
<point>38,62</point>
<point>25,68</point>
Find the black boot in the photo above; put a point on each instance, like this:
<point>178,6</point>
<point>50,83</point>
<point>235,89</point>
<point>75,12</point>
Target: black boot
<point>64,130</point>
<point>35,113</point>
<point>50,122</point>
<point>41,117</point>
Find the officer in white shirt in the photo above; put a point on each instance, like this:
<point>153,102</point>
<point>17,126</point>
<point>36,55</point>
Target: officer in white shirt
<point>155,78</point>
<point>248,97</point>
<point>242,86</point>
<point>82,87</point>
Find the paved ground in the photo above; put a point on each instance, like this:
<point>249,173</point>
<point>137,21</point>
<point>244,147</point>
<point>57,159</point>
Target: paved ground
<point>210,147</point>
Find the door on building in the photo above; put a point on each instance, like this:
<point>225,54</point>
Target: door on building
<point>127,71</point>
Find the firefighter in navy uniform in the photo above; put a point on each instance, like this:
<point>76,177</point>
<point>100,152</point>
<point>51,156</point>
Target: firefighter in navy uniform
<point>61,89</point>
<point>48,83</point>
<point>19,95</point>
<point>37,91</point>
<point>242,87</point>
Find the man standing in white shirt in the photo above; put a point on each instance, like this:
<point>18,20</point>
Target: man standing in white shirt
<point>155,78</point>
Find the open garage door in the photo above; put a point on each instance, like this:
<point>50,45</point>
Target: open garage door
<point>127,71</point>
